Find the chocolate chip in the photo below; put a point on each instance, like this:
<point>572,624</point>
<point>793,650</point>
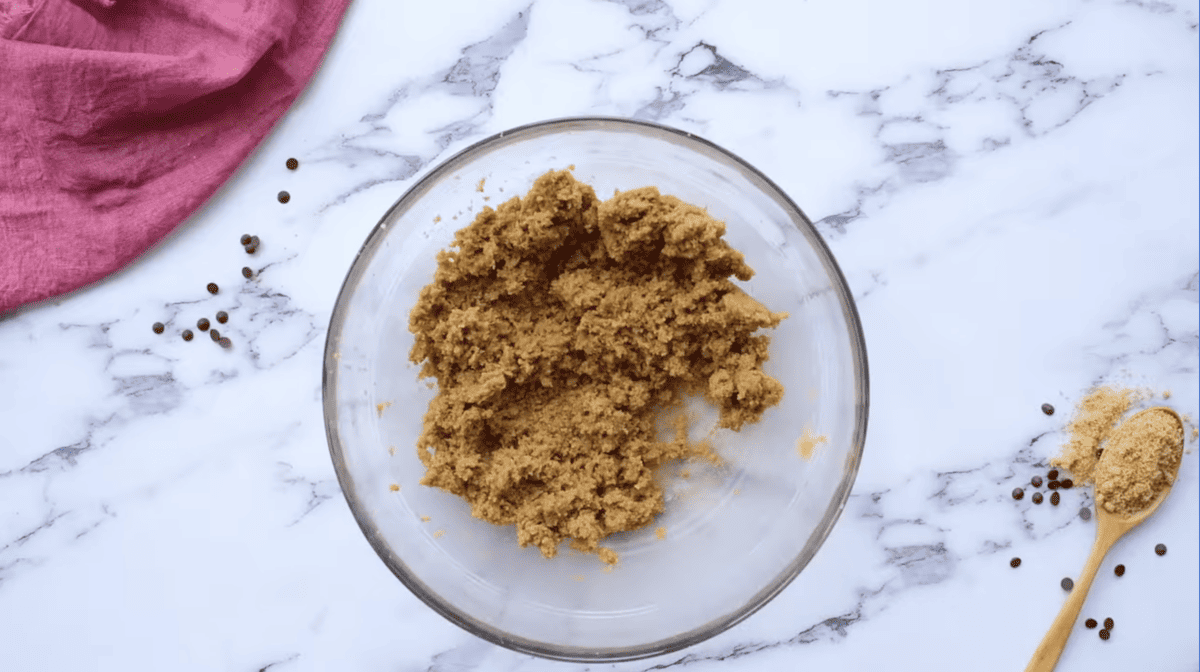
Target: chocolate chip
<point>1054,498</point>
<point>216,335</point>
<point>1104,634</point>
<point>1053,475</point>
<point>292,164</point>
<point>1036,481</point>
<point>222,316</point>
<point>187,334</point>
<point>1047,409</point>
<point>159,327</point>
<point>1066,484</point>
<point>212,288</point>
<point>1037,498</point>
<point>1067,584</point>
<point>245,239</point>
<point>1085,513</point>
<point>1119,570</point>
<point>1015,562</point>
<point>246,272</point>
<point>1053,485</point>
<point>1090,623</point>
<point>1160,549</point>
<point>1018,493</point>
<point>202,324</point>
<point>1108,624</point>
<point>284,197</point>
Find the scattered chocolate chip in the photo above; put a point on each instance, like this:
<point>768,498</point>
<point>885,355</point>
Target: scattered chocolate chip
<point>284,197</point>
<point>292,164</point>
<point>225,342</point>
<point>1015,562</point>
<point>1066,484</point>
<point>1067,584</point>
<point>1054,498</point>
<point>1119,570</point>
<point>246,272</point>
<point>216,335</point>
<point>159,327</point>
<point>222,316</point>
<point>1053,475</point>
<point>1037,498</point>
<point>1018,493</point>
<point>187,334</point>
<point>1104,634</point>
<point>1160,549</point>
<point>252,246</point>
<point>1090,623</point>
<point>1047,409</point>
<point>1085,513</point>
<point>202,324</point>
<point>1036,481</point>
<point>251,249</point>
<point>212,288</point>
<point>1108,623</point>
<point>1053,485</point>
<point>245,239</point>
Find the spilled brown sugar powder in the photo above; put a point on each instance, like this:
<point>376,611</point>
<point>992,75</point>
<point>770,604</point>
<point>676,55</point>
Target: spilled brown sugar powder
<point>1094,418</point>
<point>1132,463</point>
<point>558,330</point>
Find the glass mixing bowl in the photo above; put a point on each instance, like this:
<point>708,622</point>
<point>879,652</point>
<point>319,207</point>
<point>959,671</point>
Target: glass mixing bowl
<point>735,534</point>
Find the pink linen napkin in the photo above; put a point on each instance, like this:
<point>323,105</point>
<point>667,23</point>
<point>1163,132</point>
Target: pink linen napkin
<point>119,118</point>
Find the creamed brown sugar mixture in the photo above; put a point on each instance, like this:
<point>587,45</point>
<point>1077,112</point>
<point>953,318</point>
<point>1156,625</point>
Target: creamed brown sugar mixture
<point>557,327</point>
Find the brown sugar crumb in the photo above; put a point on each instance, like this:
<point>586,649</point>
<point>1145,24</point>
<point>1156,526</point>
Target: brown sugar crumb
<point>1093,421</point>
<point>608,555</point>
<point>439,534</point>
<point>479,187</point>
<point>425,519</point>
<point>808,441</point>
<point>394,487</point>
<point>557,331</point>
<point>391,450</point>
<point>1140,461</point>
<point>381,407</point>
<point>661,533</point>
<point>437,219</point>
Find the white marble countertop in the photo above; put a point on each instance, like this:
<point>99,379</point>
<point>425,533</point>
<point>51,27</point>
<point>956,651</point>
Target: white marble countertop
<point>1010,189</point>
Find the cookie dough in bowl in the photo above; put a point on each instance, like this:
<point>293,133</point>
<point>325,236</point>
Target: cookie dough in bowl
<point>701,537</point>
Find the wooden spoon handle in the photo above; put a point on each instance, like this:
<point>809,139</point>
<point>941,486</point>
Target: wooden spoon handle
<point>1046,656</point>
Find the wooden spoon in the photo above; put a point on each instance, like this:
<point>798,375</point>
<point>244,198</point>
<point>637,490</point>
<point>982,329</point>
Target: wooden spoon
<point>1109,528</point>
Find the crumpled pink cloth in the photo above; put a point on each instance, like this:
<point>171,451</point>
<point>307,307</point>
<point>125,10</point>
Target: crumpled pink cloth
<point>119,118</point>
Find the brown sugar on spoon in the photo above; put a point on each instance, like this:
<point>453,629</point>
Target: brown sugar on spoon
<point>1144,455</point>
<point>1145,450</point>
<point>557,331</point>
